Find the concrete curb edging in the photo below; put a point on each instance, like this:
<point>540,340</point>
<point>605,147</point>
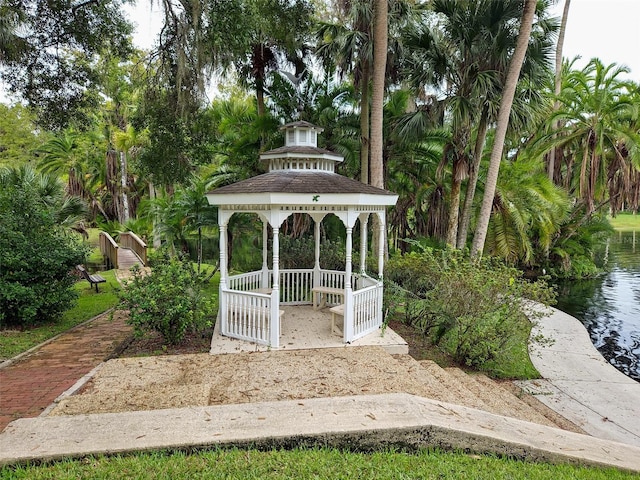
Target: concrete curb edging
<point>579,383</point>
<point>362,422</point>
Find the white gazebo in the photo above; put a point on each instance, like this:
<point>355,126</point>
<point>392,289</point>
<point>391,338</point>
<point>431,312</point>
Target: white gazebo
<point>301,179</point>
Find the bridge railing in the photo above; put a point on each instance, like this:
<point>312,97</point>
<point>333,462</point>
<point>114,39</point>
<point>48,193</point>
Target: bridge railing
<point>134,243</point>
<point>109,250</point>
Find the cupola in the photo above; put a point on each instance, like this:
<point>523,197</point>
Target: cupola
<point>301,152</point>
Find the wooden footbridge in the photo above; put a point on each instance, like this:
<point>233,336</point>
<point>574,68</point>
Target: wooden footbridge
<point>131,251</point>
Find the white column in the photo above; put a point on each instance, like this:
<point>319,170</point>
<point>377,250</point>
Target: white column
<point>381,245</point>
<point>265,255</point>
<point>364,222</point>
<point>222,299</point>
<point>275,293</point>
<point>348,292</point>
<point>381,252</point>
<point>316,266</point>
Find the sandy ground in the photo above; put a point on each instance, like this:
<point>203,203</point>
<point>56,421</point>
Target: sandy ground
<point>184,380</point>
<point>147,383</point>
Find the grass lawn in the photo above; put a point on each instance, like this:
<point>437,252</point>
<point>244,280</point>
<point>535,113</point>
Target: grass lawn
<point>90,304</point>
<point>625,222</point>
<point>307,463</point>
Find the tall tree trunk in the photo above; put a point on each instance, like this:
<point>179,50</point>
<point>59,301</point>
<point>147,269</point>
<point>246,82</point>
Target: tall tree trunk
<point>153,194</point>
<point>506,102</point>
<point>481,135</point>
<point>380,39</point>
<point>364,123</point>
<point>112,180</point>
<point>454,207</point>
<point>558,85</point>
<point>376,162</point>
<point>123,187</point>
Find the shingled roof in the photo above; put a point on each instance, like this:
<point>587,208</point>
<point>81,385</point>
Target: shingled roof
<point>300,150</point>
<point>300,182</point>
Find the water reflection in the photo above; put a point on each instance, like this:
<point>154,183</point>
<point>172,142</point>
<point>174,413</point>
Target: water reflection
<point>609,306</point>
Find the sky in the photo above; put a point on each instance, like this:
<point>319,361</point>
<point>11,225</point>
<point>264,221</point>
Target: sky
<point>607,29</point>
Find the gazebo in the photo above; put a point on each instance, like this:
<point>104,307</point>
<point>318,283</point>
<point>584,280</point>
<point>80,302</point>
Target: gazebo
<point>301,178</point>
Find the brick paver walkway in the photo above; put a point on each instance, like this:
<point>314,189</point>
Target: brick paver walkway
<point>30,385</point>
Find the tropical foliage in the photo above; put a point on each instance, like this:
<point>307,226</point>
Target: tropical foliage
<point>139,138</point>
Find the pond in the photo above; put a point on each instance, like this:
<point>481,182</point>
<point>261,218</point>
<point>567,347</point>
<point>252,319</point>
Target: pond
<point>609,306</point>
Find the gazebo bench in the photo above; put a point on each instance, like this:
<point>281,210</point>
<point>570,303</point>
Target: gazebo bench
<point>320,294</point>
<point>337,310</point>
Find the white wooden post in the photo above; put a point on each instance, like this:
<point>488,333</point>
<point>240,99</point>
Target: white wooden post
<point>348,292</point>
<point>381,251</point>
<point>381,244</point>
<point>316,265</point>
<point>265,267</point>
<point>317,218</point>
<point>274,327</point>
<point>222,298</point>
<point>364,222</point>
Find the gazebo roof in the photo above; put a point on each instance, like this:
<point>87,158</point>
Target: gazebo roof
<point>300,173</point>
<point>288,181</point>
<point>301,123</point>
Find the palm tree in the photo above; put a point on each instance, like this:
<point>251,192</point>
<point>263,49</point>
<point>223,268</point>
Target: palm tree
<point>465,51</point>
<point>128,142</point>
<point>527,213</point>
<point>599,138</point>
<point>70,212</point>
<point>558,81</point>
<point>347,44</point>
<point>503,122</point>
<point>196,211</point>
<point>380,40</point>
<point>62,155</point>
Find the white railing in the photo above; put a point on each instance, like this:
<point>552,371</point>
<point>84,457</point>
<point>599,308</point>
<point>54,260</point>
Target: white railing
<point>248,316</point>
<point>360,281</point>
<point>332,279</point>
<point>246,282</point>
<point>295,286</point>
<point>367,310</point>
<point>249,312</point>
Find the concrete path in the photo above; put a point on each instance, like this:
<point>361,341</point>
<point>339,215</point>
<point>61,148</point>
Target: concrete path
<point>369,421</point>
<point>580,384</point>
<point>31,382</point>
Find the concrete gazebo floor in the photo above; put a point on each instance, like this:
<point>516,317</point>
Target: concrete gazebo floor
<point>305,328</point>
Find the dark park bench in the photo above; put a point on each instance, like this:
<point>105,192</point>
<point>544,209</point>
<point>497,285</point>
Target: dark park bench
<point>94,279</point>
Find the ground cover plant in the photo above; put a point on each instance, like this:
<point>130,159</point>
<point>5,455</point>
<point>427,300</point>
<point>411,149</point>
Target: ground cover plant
<point>88,305</point>
<point>307,463</point>
<point>471,310</point>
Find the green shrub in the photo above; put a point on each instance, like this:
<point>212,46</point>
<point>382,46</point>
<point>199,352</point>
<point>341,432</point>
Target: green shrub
<point>37,255</point>
<point>170,300</point>
<point>473,310</point>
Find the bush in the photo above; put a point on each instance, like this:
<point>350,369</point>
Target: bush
<point>473,310</point>
<point>170,300</point>
<point>37,258</point>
